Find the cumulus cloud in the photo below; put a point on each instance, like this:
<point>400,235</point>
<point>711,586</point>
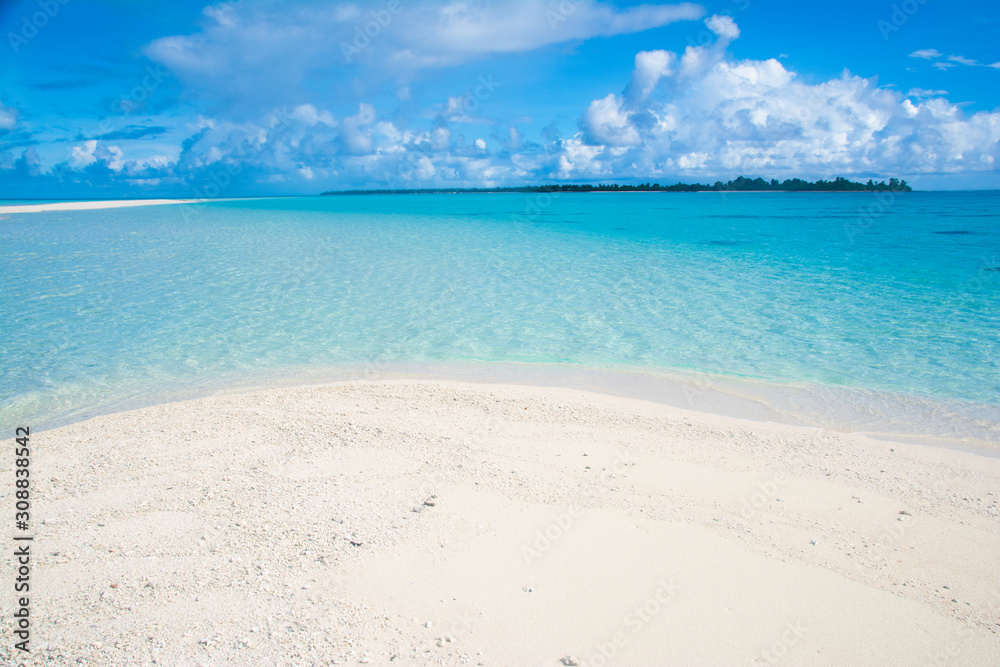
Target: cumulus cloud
<point>723,26</point>
<point>83,156</point>
<point>8,117</point>
<point>718,115</point>
<point>650,67</point>
<point>92,152</point>
<point>355,135</point>
<point>310,115</point>
<point>699,115</point>
<point>926,54</point>
<point>607,122</point>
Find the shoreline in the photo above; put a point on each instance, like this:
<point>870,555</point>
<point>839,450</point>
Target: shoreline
<point>93,205</point>
<point>936,422</point>
<point>444,521</point>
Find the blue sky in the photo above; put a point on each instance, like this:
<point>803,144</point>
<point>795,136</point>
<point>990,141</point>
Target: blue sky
<point>115,98</point>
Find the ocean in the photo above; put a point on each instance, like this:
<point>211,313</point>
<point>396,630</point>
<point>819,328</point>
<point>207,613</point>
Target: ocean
<point>871,312</point>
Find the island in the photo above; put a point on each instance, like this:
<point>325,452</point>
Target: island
<point>740,184</point>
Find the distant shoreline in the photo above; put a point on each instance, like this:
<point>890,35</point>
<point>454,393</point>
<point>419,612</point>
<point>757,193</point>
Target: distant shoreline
<point>620,192</point>
<point>740,184</point>
<point>93,205</point>
<point>98,204</point>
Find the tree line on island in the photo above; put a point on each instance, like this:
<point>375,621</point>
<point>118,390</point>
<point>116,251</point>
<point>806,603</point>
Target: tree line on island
<point>740,184</point>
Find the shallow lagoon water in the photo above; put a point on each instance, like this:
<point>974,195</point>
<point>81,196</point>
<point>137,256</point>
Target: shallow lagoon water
<point>875,321</point>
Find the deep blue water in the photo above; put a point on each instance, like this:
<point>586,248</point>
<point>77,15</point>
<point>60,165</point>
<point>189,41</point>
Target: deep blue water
<point>784,288</point>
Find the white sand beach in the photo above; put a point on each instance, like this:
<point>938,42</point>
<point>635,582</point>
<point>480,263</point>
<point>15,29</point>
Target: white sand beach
<point>94,205</point>
<point>438,522</point>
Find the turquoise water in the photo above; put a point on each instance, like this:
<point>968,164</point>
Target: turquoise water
<point>788,290</point>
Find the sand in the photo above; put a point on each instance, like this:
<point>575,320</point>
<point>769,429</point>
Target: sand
<point>93,205</point>
<point>435,522</point>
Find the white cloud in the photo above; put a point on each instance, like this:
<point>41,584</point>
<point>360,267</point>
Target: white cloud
<point>720,116</point>
<point>92,151</point>
<point>514,140</point>
<point>355,135</point>
<point>460,30</point>
<point>723,26</point>
<point>962,60</point>
<point>346,12</point>
<point>247,50</point>
<point>650,67</point>
<point>606,122</point>
<point>309,115</point>
<point>952,60</point>
<point>425,170</point>
<point>925,92</point>
<point>440,139</point>
<point>223,13</point>
<point>8,117</point>
<point>113,157</point>
<point>83,156</point>
<point>700,115</point>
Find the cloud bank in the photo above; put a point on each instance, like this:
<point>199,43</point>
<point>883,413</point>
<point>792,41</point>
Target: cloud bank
<point>245,52</point>
<point>696,115</point>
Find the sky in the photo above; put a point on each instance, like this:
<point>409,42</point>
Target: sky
<point>117,98</point>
